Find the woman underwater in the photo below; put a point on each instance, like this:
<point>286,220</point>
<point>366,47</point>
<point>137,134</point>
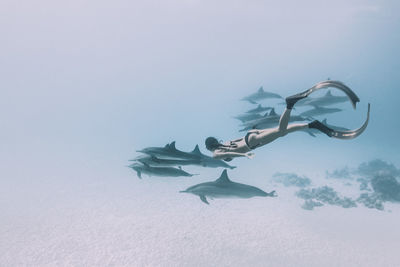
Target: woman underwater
<point>257,138</point>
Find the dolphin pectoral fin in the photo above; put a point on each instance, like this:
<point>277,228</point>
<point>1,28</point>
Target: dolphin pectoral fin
<point>353,133</point>
<point>204,199</point>
<point>310,133</point>
<point>139,174</point>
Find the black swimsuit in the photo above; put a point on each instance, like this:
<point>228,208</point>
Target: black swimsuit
<point>246,139</point>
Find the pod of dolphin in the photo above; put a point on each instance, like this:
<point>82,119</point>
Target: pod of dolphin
<point>253,119</point>
<point>161,161</point>
<point>167,161</point>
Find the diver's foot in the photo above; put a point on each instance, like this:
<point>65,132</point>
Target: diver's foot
<point>321,127</point>
<point>291,100</point>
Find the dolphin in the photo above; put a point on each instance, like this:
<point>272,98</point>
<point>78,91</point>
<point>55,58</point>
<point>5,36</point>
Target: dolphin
<point>259,109</point>
<point>269,116</point>
<point>158,171</point>
<point>248,117</point>
<point>162,162</point>
<point>223,187</point>
<point>169,151</point>
<point>269,121</point>
<point>326,100</point>
<point>207,161</point>
<point>203,160</point>
<point>259,95</point>
<point>317,111</point>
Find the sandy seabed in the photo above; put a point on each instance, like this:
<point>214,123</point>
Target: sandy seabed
<point>131,222</point>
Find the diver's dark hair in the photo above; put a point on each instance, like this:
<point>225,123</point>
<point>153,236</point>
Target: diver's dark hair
<point>212,143</point>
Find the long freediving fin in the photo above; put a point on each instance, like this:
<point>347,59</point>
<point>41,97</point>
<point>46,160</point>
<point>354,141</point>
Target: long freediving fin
<point>338,85</point>
<point>353,133</point>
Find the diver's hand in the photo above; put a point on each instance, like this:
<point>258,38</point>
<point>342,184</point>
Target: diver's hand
<point>249,155</point>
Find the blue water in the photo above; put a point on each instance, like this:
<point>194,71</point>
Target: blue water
<point>85,84</point>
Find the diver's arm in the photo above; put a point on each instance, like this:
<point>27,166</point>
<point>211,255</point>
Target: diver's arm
<point>223,155</point>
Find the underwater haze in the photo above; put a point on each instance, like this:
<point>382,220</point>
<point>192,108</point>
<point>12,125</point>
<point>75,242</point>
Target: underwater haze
<point>85,84</point>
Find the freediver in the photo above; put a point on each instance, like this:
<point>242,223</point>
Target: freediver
<point>242,147</point>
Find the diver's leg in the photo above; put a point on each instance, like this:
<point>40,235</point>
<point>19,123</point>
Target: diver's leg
<point>296,127</point>
<point>266,136</point>
<point>285,117</point>
<point>284,120</point>
<point>314,125</point>
<point>262,137</point>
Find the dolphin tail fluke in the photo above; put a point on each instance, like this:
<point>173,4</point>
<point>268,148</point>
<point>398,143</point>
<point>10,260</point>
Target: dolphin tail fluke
<point>204,199</point>
<point>272,194</point>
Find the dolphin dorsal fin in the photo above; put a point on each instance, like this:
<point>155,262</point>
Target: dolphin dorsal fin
<point>224,177</point>
<point>196,150</point>
<point>259,106</point>
<point>272,112</point>
<point>172,145</point>
<point>261,90</point>
<point>324,121</point>
<point>328,93</point>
